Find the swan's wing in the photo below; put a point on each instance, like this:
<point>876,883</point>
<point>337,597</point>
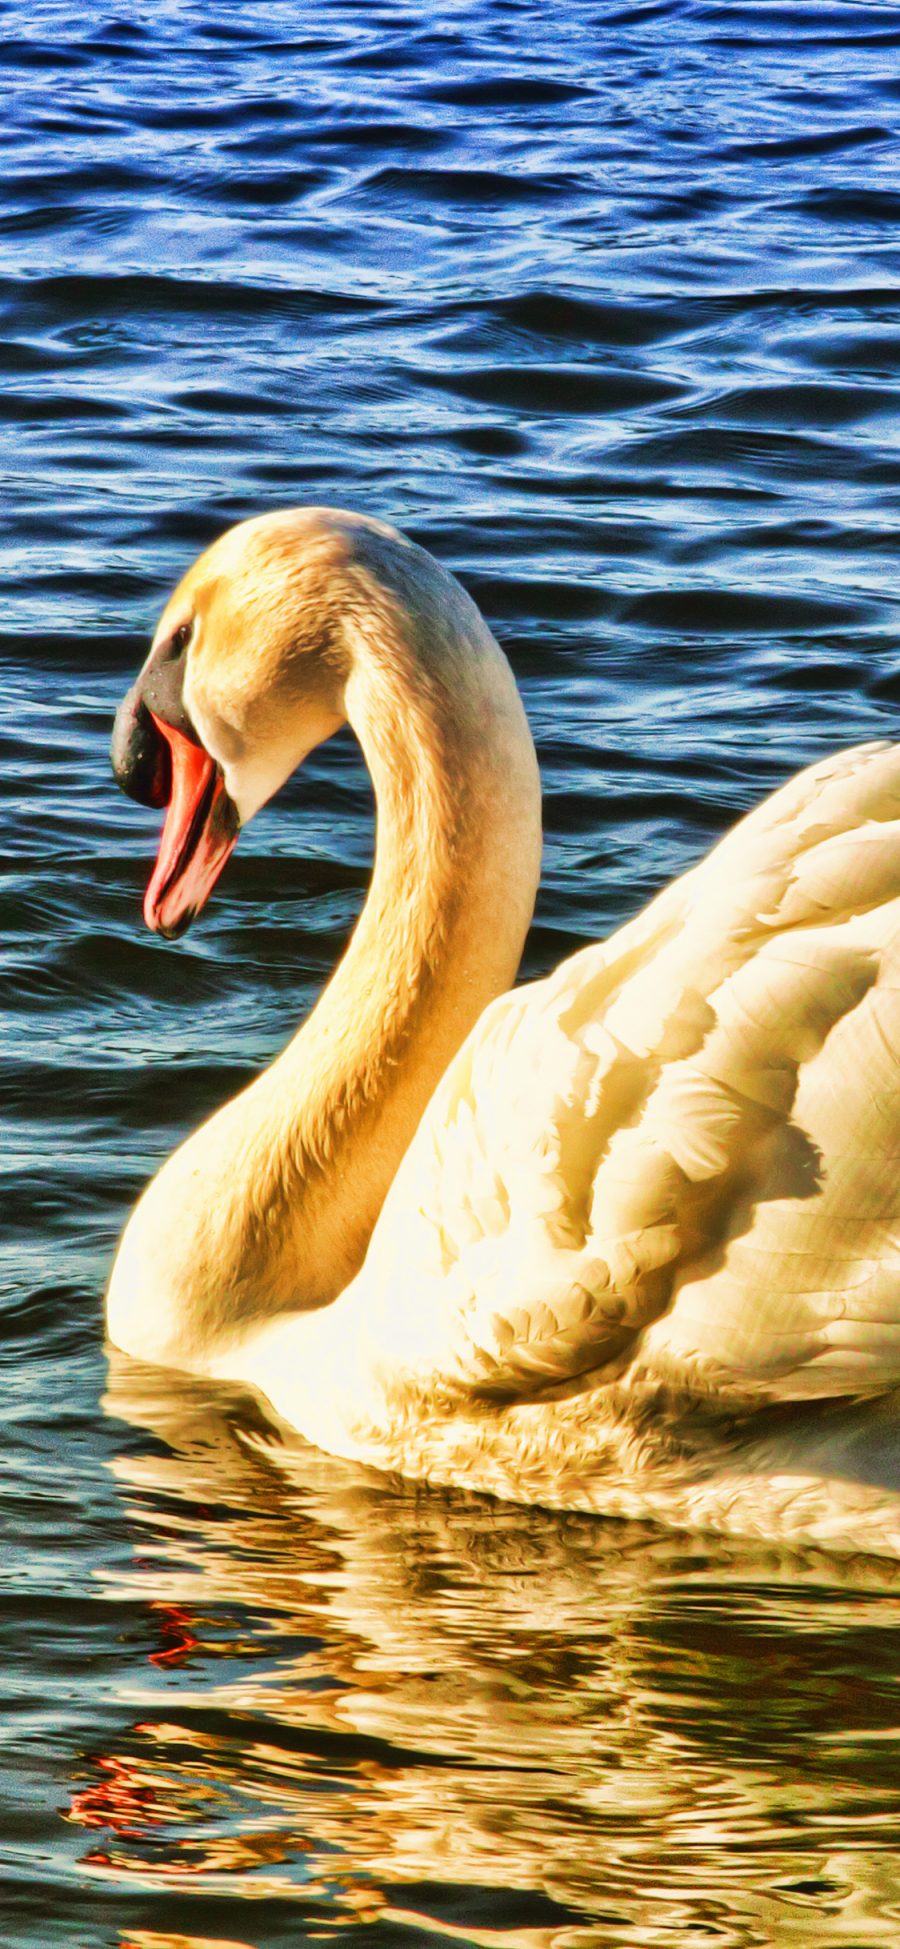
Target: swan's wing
<point>680,1155</point>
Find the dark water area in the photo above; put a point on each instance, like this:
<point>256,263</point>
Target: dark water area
<point>601,303</point>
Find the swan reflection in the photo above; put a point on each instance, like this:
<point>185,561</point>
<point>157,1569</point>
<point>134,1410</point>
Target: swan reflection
<point>366,1704</point>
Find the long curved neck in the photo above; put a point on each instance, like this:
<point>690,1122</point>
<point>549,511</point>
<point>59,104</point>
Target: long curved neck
<point>456,868</point>
<point>273,1201</point>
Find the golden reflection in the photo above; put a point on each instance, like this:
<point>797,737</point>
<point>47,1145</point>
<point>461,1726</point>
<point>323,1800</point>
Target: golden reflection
<point>151,1939</point>
<point>377,1700</point>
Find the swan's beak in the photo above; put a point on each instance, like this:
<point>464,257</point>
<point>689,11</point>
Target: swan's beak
<point>159,763</point>
<point>200,831</point>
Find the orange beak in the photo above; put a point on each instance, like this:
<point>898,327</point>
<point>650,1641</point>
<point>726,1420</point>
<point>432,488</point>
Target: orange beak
<point>200,832</point>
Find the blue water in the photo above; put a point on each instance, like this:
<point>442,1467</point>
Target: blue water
<point>600,302</point>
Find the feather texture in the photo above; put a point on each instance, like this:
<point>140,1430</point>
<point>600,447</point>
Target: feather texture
<point>677,1158</point>
<point>599,1248</point>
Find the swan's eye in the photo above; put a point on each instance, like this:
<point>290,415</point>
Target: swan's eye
<point>181,638</point>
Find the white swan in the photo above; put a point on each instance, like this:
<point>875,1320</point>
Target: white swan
<point>539,1242</point>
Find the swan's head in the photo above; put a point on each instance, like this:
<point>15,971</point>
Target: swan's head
<point>245,676</point>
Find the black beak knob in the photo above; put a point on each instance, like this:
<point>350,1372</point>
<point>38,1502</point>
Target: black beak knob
<point>141,760</point>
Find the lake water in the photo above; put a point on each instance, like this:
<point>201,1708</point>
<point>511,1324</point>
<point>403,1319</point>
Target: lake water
<point>600,302</point>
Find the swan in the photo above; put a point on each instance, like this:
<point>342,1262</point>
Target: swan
<point>624,1239</point>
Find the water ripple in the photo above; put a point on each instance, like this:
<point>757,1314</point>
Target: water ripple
<point>605,309</point>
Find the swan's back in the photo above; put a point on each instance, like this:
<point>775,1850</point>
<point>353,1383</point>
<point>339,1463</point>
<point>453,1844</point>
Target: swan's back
<point>677,1158</point>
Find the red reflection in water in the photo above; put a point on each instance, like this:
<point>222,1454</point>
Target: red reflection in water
<point>120,1800</point>
<point>175,1624</point>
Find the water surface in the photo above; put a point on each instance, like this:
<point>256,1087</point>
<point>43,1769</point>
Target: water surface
<point>602,304</point>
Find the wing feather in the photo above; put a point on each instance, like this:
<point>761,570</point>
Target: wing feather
<point>678,1156</point>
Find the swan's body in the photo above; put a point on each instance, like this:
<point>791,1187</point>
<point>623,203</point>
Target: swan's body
<point>655,1191</point>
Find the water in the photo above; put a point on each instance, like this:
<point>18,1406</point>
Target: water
<point>602,303</point>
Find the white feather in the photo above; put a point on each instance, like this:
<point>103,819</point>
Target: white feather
<point>661,1185</point>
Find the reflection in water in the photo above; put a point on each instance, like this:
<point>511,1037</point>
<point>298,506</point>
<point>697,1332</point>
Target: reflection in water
<point>371,1706</point>
<point>608,319</point>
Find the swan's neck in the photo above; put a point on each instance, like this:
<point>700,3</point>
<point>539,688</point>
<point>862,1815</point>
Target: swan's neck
<point>456,865</point>
<point>270,1206</point>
